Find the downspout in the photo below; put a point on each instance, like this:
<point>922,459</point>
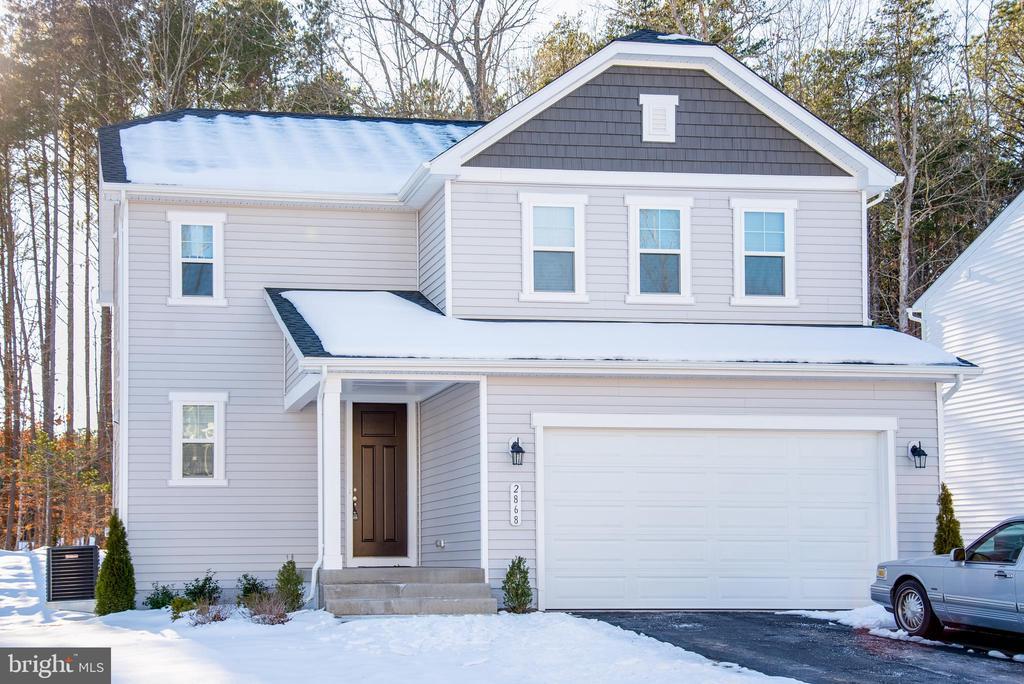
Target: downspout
<point>312,594</point>
<point>957,384</point>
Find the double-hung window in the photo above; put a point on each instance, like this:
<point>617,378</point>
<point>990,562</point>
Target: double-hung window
<point>197,258</point>
<point>553,248</point>
<point>659,250</point>
<point>197,443</point>
<point>764,263</point>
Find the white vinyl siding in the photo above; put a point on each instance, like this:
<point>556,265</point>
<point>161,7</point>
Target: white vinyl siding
<point>432,251</point>
<point>511,401</point>
<point>450,477</point>
<point>269,511</point>
<point>979,316</point>
<point>292,372</point>
<point>487,275</point>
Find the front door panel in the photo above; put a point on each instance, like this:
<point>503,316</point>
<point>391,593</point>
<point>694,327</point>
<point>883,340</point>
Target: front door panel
<point>379,480</point>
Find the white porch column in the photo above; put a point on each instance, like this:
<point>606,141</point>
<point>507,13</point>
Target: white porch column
<point>333,456</point>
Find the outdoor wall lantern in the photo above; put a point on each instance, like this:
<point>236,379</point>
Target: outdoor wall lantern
<point>918,455</point>
<point>517,452</point>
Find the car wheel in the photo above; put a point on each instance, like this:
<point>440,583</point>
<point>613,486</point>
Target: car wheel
<point>913,611</point>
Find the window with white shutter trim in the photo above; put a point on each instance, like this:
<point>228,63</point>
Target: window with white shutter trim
<point>659,117</point>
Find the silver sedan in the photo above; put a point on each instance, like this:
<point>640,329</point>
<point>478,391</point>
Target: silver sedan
<point>980,586</point>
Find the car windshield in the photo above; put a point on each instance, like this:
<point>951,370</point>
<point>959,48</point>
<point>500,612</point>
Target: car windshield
<point>1001,546</point>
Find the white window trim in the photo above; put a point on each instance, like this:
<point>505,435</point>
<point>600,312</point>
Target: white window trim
<point>634,203</point>
<point>649,103</point>
<point>178,218</point>
<point>219,401</point>
<point>578,204</point>
<point>788,208</point>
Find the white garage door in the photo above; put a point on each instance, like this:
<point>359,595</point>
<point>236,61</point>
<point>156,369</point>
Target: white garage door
<point>710,519</point>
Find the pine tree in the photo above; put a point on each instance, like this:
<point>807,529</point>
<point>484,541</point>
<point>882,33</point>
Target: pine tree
<point>115,588</point>
<point>516,587</point>
<point>947,527</point>
<point>289,586</point>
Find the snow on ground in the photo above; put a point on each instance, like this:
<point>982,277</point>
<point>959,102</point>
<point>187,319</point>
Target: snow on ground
<point>866,617</point>
<point>387,320</point>
<point>539,647</point>
<point>874,618</point>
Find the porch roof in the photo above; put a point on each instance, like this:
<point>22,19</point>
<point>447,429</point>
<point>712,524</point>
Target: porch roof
<point>405,325</point>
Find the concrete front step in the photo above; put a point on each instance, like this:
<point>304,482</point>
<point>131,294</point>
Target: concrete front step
<point>401,575</point>
<point>412,606</point>
<point>359,590</point>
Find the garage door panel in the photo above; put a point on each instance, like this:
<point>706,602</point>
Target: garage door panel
<point>709,519</point>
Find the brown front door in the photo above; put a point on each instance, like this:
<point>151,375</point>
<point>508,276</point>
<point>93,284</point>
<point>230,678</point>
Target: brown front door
<point>379,480</point>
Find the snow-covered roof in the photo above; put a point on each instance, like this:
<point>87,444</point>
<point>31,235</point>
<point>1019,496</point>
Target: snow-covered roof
<point>387,325</point>
<point>311,154</point>
<point>1010,218</point>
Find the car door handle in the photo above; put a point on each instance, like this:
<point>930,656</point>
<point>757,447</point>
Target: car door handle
<point>1003,574</point>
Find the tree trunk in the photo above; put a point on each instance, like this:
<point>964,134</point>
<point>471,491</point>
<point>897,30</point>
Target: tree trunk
<point>69,400</point>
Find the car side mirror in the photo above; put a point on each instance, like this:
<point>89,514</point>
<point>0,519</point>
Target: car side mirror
<point>958,555</point>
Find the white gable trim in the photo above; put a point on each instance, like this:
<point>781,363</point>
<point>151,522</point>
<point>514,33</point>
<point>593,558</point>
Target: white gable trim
<point>956,269</point>
<point>871,174</point>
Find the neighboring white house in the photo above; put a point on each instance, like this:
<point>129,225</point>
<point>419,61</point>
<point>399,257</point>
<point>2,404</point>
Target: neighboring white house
<point>975,309</point>
<point>621,331</point>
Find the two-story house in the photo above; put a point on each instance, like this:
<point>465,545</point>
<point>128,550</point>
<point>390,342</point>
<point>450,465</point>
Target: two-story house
<point>620,330</point>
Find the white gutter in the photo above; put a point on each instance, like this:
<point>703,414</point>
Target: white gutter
<point>371,200</point>
<point>878,198</point>
<point>632,368</point>
<point>311,595</point>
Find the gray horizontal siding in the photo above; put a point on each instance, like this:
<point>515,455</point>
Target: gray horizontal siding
<point>511,401</point>
<point>598,127</point>
<point>269,510</point>
<point>450,477</point>
<point>432,251</point>
<point>980,317</point>
<point>292,372</point>
<point>487,257</point>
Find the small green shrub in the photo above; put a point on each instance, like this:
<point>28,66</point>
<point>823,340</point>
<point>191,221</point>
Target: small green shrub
<point>115,586</point>
<point>179,606</point>
<point>203,588</point>
<point>161,596</point>
<point>206,612</point>
<point>947,527</point>
<point>250,586</point>
<point>516,586</point>
<point>289,586</point>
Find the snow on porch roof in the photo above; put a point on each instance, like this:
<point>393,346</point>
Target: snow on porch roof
<point>228,150</point>
<point>351,324</point>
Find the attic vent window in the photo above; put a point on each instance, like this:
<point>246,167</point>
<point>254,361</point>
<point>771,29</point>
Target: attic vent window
<point>659,117</point>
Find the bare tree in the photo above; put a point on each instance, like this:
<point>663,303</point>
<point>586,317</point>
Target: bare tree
<point>472,38</point>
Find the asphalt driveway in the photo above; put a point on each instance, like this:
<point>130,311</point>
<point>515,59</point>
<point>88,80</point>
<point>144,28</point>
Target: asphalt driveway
<point>820,651</point>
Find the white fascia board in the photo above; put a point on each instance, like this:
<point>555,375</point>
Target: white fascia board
<point>640,368</point>
<point>871,173</point>
<point>657,179</point>
<point>339,200</point>
<point>961,263</point>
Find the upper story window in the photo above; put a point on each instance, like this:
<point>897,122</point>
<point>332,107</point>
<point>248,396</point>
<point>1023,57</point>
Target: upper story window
<point>553,248</point>
<point>197,443</point>
<point>197,258</point>
<point>764,263</point>
<point>659,117</point>
<point>659,250</point>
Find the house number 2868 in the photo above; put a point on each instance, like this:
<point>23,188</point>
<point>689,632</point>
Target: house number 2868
<point>515,500</point>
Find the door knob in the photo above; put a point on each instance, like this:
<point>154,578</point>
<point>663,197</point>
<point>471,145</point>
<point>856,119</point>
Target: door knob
<point>1003,574</point>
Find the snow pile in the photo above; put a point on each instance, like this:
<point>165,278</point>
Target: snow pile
<point>393,327</point>
<point>901,635</point>
<point>676,36</point>
<point>315,646</point>
<point>873,616</point>
<point>284,153</point>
